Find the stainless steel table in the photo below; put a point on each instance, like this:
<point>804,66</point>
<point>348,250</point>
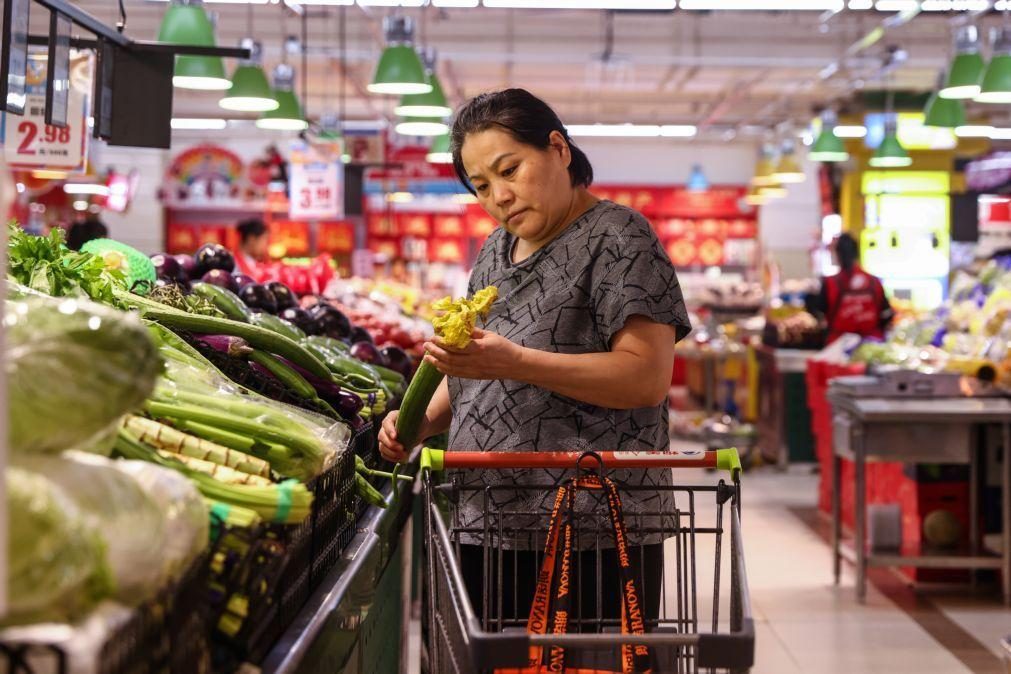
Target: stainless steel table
<point>917,431</point>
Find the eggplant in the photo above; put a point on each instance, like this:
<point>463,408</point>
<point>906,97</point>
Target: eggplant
<point>360,334</point>
<point>236,347</point>
<point>187,267</point>
<point>242,280</point>
<point>347,404</point>
<point>257,296</point>
<point>299,318</point>
<point>220,278</point>
<point>168,267</point>
<point>330,321</point>
<point>397,359</point>
<point>283,294</point>
<point>366,352</point>
<point>213,256</point>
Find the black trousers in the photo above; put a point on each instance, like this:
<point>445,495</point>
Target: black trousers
<point>520,568</point>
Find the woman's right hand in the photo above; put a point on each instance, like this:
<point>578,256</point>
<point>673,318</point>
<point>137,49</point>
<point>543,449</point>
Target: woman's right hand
<point>389,447</point>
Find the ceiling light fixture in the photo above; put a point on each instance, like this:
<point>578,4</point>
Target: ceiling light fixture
<point>966,68</point>
<point>186,22</point>
<point>828,147</point>
<point>850,131</point>
<point>399,70</point>
<point>945,113</point>
<point>861,4</point>
<point>432,104</point>
<point>974,131</point>
<point>439,152</point>
<point>995,86</point>
<point>788,170</point>
<point>1000,133</point>
<point>583,4</point>
<point>763,5</point>
<point>417,126</point>
<point>86,188</point>
<point>288,115</point>
<point>250,90</point>
<point>198,124</point>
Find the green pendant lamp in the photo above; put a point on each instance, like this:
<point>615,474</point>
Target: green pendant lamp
<point>966,68</point>
<point>186,22</point>
<point>439,152</point>
<point>288,114</point>
<point>421,126</point>
<point>788,171</point>
<point>764,168</point>
<point>432,104</point>
<point>399,71</point>
<point>250,90</point>
<point>945,113</point>
<point>996,83</point>
<point>828,147</point>
<point>890,154</point>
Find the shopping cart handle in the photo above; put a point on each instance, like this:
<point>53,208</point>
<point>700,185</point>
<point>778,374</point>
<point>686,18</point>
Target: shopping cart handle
<point>721,459</point>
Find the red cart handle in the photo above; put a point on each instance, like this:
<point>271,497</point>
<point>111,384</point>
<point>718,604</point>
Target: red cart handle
<point>722,459</point>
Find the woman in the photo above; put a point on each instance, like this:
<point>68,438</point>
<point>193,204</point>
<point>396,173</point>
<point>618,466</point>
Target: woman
<point>254,238</point>
<point>577,351</point>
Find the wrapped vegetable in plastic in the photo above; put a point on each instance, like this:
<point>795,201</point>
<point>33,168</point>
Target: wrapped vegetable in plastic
<point>187,525</point>
<point>56,563</point>
<point>73,369</point>
<point>115,505</point>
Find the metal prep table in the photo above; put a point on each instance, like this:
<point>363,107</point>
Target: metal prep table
<point>917,431</point>
<point>354,622</point>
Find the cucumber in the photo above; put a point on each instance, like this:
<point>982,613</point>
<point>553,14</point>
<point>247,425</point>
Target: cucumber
<point>258,338</point>
<point>415,404</point>
<point>329,343</point>
<point>389,376</point>
<point>278,325</point>
<point>225,300</point>
<point>291,379</point>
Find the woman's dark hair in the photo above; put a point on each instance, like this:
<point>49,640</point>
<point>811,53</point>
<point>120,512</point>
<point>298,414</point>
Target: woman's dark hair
<point>82,232</point>
<point>251,228</point>
<point>523,116</point>
<point>847,251</point>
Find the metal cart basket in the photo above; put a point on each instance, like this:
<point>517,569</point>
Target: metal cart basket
<point>699,622</point>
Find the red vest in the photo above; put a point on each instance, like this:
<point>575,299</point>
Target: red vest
<point>855,302</point>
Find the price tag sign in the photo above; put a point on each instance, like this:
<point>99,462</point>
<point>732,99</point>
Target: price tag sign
<point>30,143</point>
<point>314,183</point>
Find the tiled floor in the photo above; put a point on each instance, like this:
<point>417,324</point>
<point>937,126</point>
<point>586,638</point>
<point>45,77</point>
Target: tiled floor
<point>806,624</point>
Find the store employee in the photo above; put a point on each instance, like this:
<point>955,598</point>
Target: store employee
<point>577,351</point>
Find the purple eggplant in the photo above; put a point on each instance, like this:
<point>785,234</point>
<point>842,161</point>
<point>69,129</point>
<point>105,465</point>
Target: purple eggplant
<point>259,297</point>
<point>346,403</point>
<point>299,318</point>
<point>222,279</point>
<point>236,347</point>
<point>214,256</point>
<point>187,266</point>
<point>283,294</point>
<point>330,321</point>
<point>167,267</point>
<point>397,359</point>
<point>360,334</point>
<point>366,352</point>
<point>242,280</point>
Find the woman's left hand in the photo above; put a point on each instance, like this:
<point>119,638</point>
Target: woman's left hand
<point>488,356</point>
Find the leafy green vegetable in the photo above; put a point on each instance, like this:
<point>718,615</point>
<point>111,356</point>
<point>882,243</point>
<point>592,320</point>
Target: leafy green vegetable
<point>73,369</point>
<point>56,562</point>
<point>45,264</point>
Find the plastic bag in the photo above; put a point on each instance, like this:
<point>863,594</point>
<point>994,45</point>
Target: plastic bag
<point>73,369</point>
<point>57,568</point>
<point>112,502</point>
<point>187,523</point>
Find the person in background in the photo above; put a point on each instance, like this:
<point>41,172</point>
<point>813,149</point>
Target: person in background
<point>254,239</point>
<point>852,301</point>
<point>398,270</point>
<point>82,232</point>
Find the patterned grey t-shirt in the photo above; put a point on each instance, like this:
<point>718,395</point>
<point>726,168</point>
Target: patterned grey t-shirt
<point>571,296</point>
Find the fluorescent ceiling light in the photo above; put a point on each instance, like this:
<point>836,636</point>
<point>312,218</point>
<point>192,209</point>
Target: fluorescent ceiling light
<point>896,5</point>
<point>400,197</point>
<point>363,125</point>
<point>763,5</point>
<point>954,5</point>
<point>417,127</point>
<point>240,2</point>
<point>456,3</point>
<point>1000,133</point>
<point>1002,5</point>
<point>583,4</point>
<point>387,3</point>
<point>80,205</point>
<point>198,124</point>
<point>86,188</point>
<point>632,130</point>
<point>850,131</point>
<point>974,131</point>
<point>861,4</point>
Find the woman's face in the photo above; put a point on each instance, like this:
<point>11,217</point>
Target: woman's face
<point>526,189</point>
<point>256,246</point>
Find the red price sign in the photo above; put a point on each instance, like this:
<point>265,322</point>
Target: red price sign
<point>29,142</point>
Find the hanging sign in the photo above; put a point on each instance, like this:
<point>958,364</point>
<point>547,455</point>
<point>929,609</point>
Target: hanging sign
<point>314,180</point>
<point>29,142</point>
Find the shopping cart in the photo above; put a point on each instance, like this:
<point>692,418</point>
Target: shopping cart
<point>688,632</point>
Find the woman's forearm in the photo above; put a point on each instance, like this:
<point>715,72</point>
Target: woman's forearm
<point>439,414</point>
<point>613,379</point>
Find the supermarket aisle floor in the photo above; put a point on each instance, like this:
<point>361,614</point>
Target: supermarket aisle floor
<point>805,624</point>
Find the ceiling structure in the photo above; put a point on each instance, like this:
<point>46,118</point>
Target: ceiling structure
<point>727,72</point>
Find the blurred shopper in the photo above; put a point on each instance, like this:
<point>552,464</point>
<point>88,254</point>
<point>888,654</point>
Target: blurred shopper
<point>254,241</point>
<point>852,301</point>
<point>86,230</point>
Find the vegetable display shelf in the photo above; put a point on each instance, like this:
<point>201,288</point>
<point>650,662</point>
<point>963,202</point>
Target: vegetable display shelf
<point>259,592</point>
<point>167,633</point>
<point>354,619</point>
